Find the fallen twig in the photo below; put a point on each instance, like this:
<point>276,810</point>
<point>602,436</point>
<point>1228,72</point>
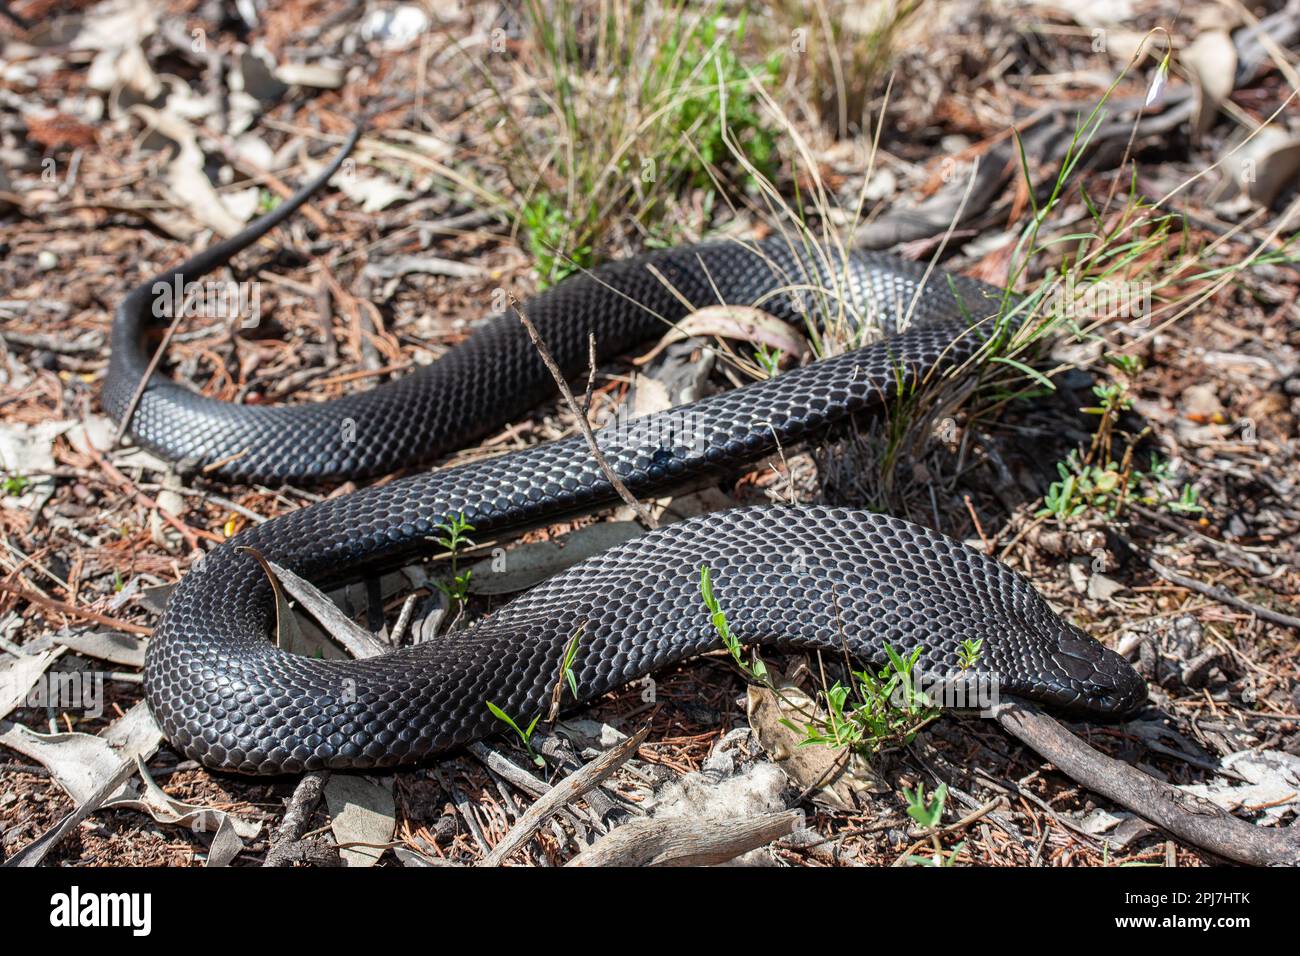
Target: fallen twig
<point>403,620</point>
<point>1223,596</point>
<point>511,773</point>
<point>503,768</point>
<point>287,846</point>
<point>1226,551</point>
<point>571,788</point>
<point>645,517</point>
<point>80,612</point>
<point>1192,818</point>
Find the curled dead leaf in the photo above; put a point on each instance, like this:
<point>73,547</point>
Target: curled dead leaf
<point>740,322</point>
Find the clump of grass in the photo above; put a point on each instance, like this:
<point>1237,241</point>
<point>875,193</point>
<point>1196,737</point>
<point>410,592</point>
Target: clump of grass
<point>844,49</point>
<point>1130,255</point>
<point>626,110</point>
<point>700,77</point>
<point>1133,259</point>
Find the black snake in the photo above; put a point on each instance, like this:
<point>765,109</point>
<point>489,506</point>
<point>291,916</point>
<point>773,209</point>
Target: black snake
<point>803,577</point>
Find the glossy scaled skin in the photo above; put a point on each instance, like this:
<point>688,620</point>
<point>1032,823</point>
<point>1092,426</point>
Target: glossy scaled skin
<point>226,696</point>
<point>496,375</point>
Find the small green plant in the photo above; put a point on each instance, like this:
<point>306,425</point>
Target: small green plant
<point>14,485</point>
<point>1159,469</point>
<point>1130,365</point>
<point>969,653</point>
<point>768,359</point>
<point>525,736</point>
<point>1108,488</point>
<point>566,667</point>
<point>547,230</point>
<point>1186,503</point>
<point>941,857</point>
<point>755,670</point>
<point>1095,481</point>
<point>874,711</point>
<point>455,539</point>
<point>878,710</point>
<point>266,201</point>
<point>928,814</point>
<point>1085,487</point>
<point>567,675</point>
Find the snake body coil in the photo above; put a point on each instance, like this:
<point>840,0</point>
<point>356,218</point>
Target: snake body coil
<point>799,577</point>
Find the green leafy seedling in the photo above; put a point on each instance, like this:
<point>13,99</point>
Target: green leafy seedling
<point>525,736</point>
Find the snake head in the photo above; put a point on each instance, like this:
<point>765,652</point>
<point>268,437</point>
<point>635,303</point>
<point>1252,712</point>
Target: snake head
<point>1090,679</point>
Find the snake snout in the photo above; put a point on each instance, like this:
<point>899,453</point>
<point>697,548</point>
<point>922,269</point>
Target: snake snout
<point>1100,682</point>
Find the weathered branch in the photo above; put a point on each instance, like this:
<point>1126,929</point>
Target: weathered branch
<point>286,848</point>
<point>678,841</point>
<point>1223,596</point>
<point>571,788</point>
<point>1185,815</point>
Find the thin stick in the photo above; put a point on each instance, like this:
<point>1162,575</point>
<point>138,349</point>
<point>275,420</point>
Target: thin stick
<point>1192,818</point>
<point>591,374</point>
<point>562,793</point>
<point>1257,564</point>
<point>585,426</point>
<point>158,353</point>
<point>525,781</point>
<point>73,611</point>
<point>508,771</point>
<point>1223,596</point>
<point>403,619</point>
<point>979,529</point>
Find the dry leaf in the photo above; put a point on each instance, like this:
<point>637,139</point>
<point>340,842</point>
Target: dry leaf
<point>19,674</point>
<point>124,649</point>
<point>361,812</point>
<point>186,177</point>
<point>529,564</point>
<point>82,763</point>
<point>200,819</point>
<point>1267,163</point>
<point>354,638</point>
<point>744,323</point>
<point>1212,60</point>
